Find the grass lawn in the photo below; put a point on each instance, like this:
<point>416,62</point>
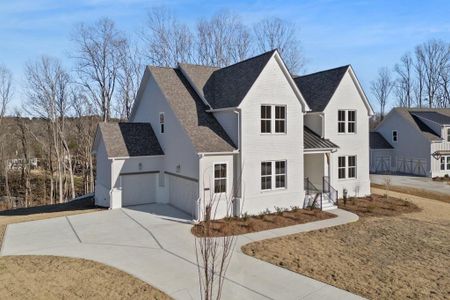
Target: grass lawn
<point>395,250</point>
<point>236,226</point>
<point>52,277</point>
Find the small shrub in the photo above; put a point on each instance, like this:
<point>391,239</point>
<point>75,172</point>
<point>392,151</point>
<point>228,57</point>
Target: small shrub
<point>245,216</point>
<point>279,210</point>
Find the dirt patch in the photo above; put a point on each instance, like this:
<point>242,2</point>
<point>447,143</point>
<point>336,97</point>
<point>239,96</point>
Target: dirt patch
<point>399,256</point>
<point>50,277</point>
<point>378,206</point>
<point>237,226</point>
<point>415,192</point>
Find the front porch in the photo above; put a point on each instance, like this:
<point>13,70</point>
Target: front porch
<point>319,191</point>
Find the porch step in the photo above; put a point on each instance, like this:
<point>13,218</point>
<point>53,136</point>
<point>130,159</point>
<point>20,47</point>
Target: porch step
<point>326,205</point>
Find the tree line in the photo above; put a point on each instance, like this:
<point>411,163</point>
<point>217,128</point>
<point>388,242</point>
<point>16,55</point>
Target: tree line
<point>105,68</point>
<point>421,78</point>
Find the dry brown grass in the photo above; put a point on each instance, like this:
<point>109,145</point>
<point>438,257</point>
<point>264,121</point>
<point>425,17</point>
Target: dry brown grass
<point>237,226</point>
<point>415,192</point>
<point>382,256</point>
<point>50,277</point>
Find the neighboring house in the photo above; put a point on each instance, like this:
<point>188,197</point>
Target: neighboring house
<point>249,132</point>
<point>412,141</point>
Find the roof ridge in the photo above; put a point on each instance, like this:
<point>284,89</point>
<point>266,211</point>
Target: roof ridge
<point>199,65</point>
<point>250,58</point>
<point>323,71</point>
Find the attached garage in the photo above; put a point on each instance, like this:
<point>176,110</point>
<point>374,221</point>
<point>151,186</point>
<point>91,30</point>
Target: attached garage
<point>139,188</point>
<point>129,160</point>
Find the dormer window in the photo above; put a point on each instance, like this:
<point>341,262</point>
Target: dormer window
<point>394,136</point>
<point>161,122</point>
<point>273,122</point>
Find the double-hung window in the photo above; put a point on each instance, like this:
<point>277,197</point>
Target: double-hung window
<point>448,134</point>
<point>445,163</point>
<point>346,121</point>
<point>220,178</point>
<point>273,119</point>
<point>347,167</point>
<point>273,175</point>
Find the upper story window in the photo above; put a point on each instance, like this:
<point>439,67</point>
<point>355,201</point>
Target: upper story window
<point>220,178</point>
<point>161,122</point>
<point>346,121</point>
<point>266,118</point>
<point>448,134</point>
<point>394,136</point>
<point>273,123</point>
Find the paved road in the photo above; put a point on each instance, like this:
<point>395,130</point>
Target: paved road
<point>424,183</point>
<point>161,252</point>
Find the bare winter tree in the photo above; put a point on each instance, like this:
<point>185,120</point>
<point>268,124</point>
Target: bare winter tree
<point>23,137</point>
<point>5,98</point>
<point>275,33</point>
<point>47,91</point>
<point>128,79</point>
<point>433,57</point>
<point>404,85</point>
<point>222,40</point>
<point>99,56</point>
<point>381,88</point>
<point>167,40</point>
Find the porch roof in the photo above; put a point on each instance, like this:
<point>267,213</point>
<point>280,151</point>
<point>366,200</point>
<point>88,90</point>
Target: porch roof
<point>313,141</point>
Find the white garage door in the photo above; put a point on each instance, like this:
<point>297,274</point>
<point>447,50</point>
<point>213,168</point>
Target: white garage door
<point>183,193</point>
<point>138,189</point>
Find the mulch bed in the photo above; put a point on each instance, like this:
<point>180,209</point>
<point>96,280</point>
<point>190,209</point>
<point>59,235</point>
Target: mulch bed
<point>378,206</point>
<point>237,226</point>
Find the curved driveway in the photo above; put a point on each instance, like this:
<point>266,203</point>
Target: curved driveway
<point>161,251</point>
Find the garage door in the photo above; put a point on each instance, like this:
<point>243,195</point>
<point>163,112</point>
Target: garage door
<point>183,193</point>
<point>138,189</point>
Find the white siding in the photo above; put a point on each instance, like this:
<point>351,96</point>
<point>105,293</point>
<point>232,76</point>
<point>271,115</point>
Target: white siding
<point>411,145</point>
<point>229,121</point>
<point>175,143</point>
<point>103,176</point>
<point>435,163</point>
<point>347,96</point>
<point>271,87</point>
<point>221,202</point>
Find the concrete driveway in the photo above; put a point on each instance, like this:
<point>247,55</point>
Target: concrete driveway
<point>424,183</point>
<point>161,251</point>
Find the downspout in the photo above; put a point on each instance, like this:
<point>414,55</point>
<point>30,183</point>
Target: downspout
<point>238,194</point>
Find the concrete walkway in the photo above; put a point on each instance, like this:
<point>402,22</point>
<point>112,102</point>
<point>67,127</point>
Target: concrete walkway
<point>423,183</point>
<point>162,253</point>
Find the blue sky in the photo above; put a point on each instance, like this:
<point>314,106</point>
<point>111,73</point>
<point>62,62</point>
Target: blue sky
<point>367,34</point>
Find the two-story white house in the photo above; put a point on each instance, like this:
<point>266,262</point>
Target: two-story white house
<point>246,138</point>
<point>412,141</point>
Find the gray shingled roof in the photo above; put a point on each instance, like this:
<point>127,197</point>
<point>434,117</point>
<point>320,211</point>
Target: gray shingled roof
<point>227,87</point>
<point>318,88</point>
<point>434,116</point>
<point>129,139</point>
<point>205,132</point>
<point>377,141</point>
<point>311,140</point>
<point>427,132</point>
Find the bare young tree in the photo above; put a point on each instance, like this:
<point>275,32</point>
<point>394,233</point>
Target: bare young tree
<point>404,85</point>
<point>5,98</point>
<point>275,33</point>
<point>168,41</point>
<point>23,137</point>
<point>381,88</point>
<point>222,40</point>
<point>98,57</point>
